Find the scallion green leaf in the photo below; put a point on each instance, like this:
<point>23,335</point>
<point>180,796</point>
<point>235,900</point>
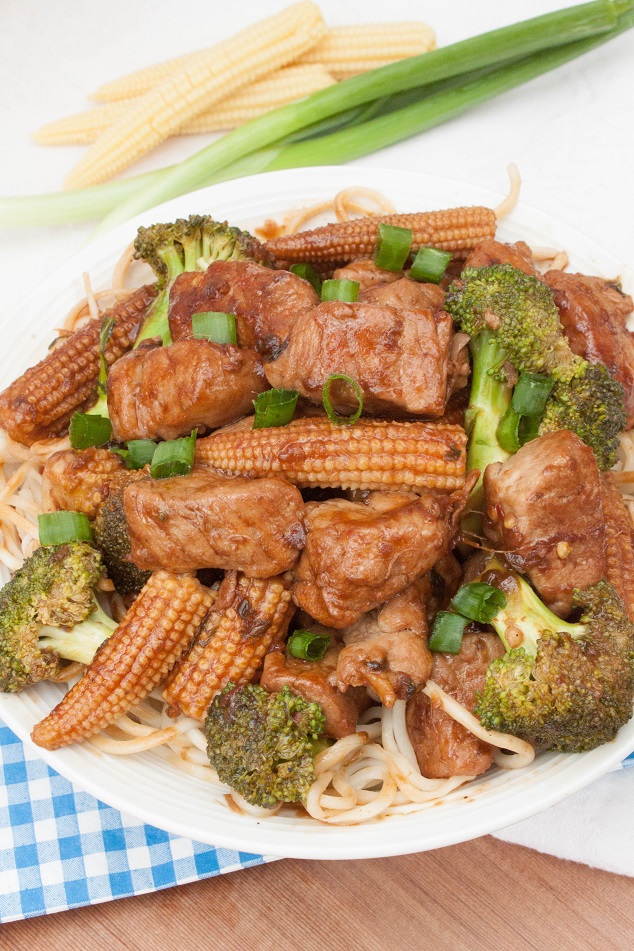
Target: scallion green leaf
<point>107,326</point>
<point>393,247</point>
<point>429,265</point>
<point>478,601</point>
<point>274,408</point>
<point>332,414</point>
<point>307,645</point>
<point>308,272</point>
<point>343,290</point>
<point>215,326</point>
<point>175,457</point>
<point>507,432</point>
<point>60,528</point>
<point>87,430</point>
<point>531,393</point>
<point>138,453</point>
<point>447,632</point>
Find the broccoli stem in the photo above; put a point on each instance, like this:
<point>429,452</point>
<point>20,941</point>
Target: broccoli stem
<point>527,616</point>
<point>489,400</point>
<point>82,641</point>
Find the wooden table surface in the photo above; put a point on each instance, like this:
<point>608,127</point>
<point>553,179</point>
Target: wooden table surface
<point>480,895</point>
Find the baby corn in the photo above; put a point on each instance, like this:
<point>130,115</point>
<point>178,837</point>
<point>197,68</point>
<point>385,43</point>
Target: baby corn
<point>452,229</point>
<point>348,50</point>
<point>243,59</point>
<point>40,403</point>
<point>81,481</point>
<point>284,85</point>
<point>372,454</point>
<point>619,554</point>
<point>232,642</point>
<point>159,626</point>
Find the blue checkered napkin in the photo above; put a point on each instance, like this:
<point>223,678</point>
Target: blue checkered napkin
<point>61,848</point>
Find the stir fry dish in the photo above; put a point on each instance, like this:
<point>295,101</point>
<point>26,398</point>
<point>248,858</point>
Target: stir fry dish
<point>334,521</point>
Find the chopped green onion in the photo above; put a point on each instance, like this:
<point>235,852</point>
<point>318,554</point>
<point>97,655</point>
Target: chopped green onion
<point>138,453</point>
<point>333,416</point>
<point>447,632</point>
<point>60,528</point>
<point>478,601</point>
<point>307,645</point>
<point>393,247</point>
<point>508,429</point>
<point>215,326</point>
<point>107,326</point>
<point>429,265</point>
<point>529,429</point>
<point>344,290</point>
<point>308,272</point>
<point>531,393</point>
<point>87,430</point>
<point>274,408</point>
<point>175,457</point>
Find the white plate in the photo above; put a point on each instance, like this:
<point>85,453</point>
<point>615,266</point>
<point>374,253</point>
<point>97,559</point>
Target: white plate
<point>145,786</point>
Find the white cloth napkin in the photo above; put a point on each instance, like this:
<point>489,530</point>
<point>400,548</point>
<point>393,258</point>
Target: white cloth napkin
<point>567,131</point>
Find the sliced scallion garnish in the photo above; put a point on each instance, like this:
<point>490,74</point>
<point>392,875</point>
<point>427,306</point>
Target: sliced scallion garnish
<point>531,393</point>
<point>429,265</point>
<point>60,528</point>
<point>138,453</point>
<point>215,326</point>
<point>86,430</point>
<point>308,645</point>
<point>332,414</point>
<point>343,290</point>
<point>447,633</point>
<point>175,457</point>
<point>508,429</point>
<point>308,272</point>
<point>107,326</point>
<point>478,601</point>
<point>393,247</point>
<point>274,408</point>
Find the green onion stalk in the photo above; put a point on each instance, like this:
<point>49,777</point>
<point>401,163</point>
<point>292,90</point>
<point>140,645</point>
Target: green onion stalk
<point>478,69</point>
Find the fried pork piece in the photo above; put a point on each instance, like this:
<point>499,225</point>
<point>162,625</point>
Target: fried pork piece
<point>386,650</point>
<point>593,313</point>
<point>249,617</point>
<point>265,302</point>
<point>165,392</point>
<point>40,403</point>
<point>489,251</point>
<point>366,274</point>
<point>397,357</point>
<point>444,747</point>
<point>406,294</point>
<point>144,647</point>
<point>359,556</point>
<point>205,520</point>
<point>82,480</point>
<point>543,510</point>
<point>316,682</point>
<point>619,553</point>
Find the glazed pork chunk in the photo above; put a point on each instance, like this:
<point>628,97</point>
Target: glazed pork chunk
<point>398,357</point>
<point>265,302</point>
<point>208,521</point>
<point>358,556</point>
<point>386,650</point>
<point>165,392</point>
<point>490,252</point>
<point>366,274</point>
<point>594,313</point>
<point>444,747</point>
<point>543,508</point>
<point>405,294</point>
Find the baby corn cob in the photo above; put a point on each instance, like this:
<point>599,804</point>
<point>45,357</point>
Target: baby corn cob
<point>452,229</point>
<point>40,403</point>
<point>348,50</point>
<point>81,481</point>
<point>159,626</point>
<point>243,59</point>
<point>619,554</point>
<point>232,642</point>
<point>284,85</point>
<point>372,454</point>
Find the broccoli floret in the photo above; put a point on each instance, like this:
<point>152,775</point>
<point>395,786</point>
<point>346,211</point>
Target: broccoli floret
<point>188,244</point>
<point>48,611</point>
<point>261,744</point>
<point>518,311</point>
<point>564,686</point>
<point>112,538</point>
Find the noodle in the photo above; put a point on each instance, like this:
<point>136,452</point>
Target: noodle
<point>515,181</point>
<point>343,204</point>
